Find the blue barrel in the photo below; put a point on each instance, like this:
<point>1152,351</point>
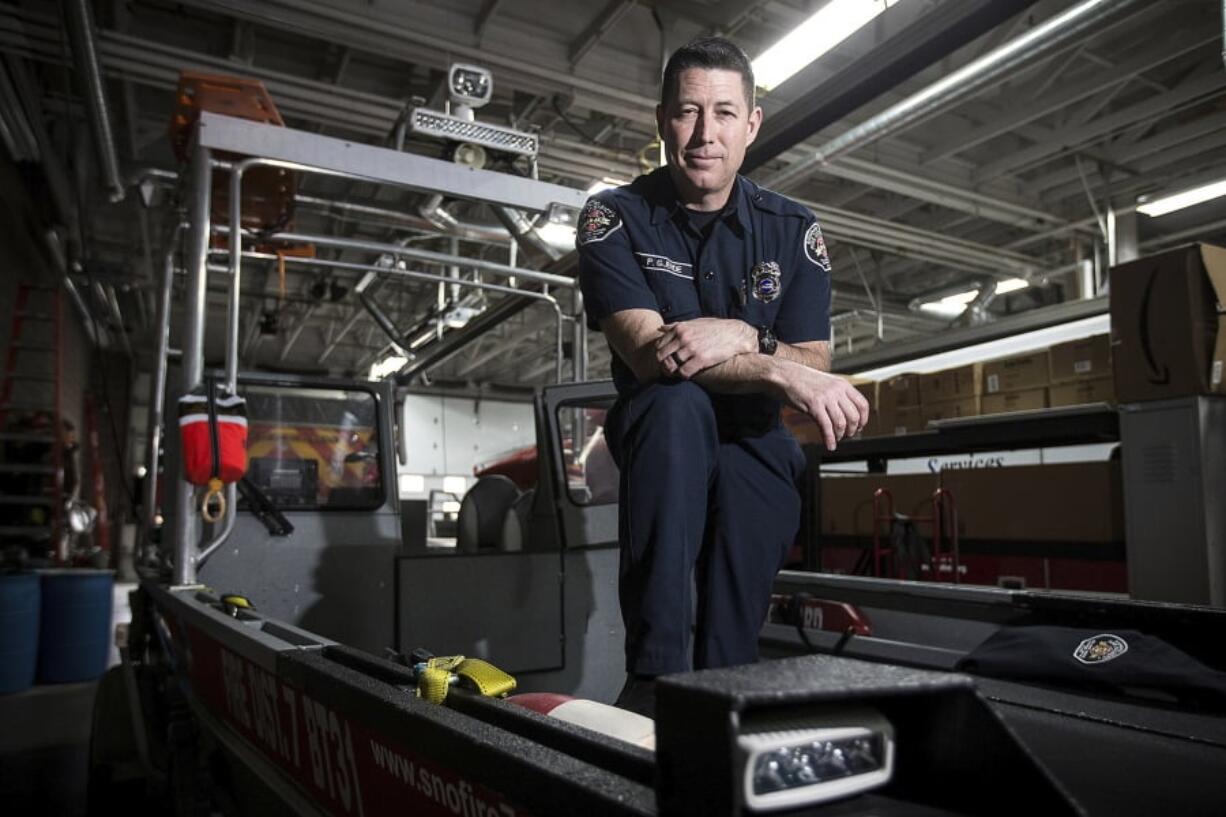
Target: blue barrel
<point>76,625</point>
<point>19,594</point>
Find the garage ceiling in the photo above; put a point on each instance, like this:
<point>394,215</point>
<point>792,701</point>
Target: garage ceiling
<point>1017,177</point>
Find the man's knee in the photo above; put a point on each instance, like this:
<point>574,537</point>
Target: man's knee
<point>679,401</point>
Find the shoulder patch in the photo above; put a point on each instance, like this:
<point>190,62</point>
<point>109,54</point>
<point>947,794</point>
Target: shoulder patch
<point>815,247</point>
<point>597,221</point>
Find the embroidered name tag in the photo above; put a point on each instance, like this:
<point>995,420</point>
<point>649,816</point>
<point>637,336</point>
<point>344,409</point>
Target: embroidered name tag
<point>660,263</point>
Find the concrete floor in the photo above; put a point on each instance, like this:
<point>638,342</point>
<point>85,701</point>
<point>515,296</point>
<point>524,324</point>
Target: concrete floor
<point>44,739</point>
<point>44,749</point>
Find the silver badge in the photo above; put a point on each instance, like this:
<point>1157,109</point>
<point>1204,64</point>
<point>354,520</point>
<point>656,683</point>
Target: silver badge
<point>1100,648</point>
<point>766,281</point>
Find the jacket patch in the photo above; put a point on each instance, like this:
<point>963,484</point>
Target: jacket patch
<point>597,221</point>
<point>1100,649</point>
<point>815,247</point>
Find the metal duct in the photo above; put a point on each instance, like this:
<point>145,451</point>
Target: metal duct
<point>528,236</point>
<point>80,24</point>
<point>956,87</point>
<point>432,211</point>
<point>976,312</point>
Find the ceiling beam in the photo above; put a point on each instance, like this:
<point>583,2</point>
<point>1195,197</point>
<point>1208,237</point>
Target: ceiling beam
<point>488,9</point>
<point>1065,181</point>
<point>928,39</point>
<point>613,11</point>
<point>1010,119</point>
<point>1204,87</point>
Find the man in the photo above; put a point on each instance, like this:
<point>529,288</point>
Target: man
<point>714,296</point>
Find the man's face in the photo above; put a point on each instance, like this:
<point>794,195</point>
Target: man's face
<point>706,126</point>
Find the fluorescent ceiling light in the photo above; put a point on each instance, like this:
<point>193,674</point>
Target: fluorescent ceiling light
<point>952,306</point>
<point>1001,347</point>
<point>388,365</point>
<point>1186,198</point>
<point>1011,285</point>
<point>829,26</point>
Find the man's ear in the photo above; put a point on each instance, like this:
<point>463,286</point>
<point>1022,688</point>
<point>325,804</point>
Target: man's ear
<point>755,123</point>
<point>660,121</point>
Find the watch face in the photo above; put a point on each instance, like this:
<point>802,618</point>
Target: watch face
<point>767,342</point>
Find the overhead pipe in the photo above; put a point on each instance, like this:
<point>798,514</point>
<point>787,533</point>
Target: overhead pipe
<point>157,383</point>
<point>79,21</point>
<point>952,89</point>
<point>375,311</point>
<point>56,250</point>
<point>432,222</point>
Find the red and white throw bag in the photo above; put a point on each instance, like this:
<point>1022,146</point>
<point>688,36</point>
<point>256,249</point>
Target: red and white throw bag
<point>213,430</point>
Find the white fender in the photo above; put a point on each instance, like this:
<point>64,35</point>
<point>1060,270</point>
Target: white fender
<point>607,720</point>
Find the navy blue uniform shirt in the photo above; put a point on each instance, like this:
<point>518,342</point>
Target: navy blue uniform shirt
<point>762,260</point>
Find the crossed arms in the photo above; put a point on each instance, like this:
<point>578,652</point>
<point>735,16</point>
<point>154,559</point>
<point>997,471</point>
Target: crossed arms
<point>722,356</point>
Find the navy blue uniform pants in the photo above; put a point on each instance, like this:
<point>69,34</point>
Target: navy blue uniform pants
<point>716,509</point>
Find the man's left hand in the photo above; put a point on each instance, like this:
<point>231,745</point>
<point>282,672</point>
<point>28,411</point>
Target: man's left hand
<point>686,348</point>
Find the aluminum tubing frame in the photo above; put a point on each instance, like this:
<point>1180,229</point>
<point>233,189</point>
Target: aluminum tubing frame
<point>200,193</point>
<point>185,562</point>
<point>434,278</point>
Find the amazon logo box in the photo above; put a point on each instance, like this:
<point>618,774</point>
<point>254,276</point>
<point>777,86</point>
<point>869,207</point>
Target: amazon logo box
<point>1168,324</point>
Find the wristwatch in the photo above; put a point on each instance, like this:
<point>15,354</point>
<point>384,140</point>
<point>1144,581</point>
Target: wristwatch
<point>767,342</point>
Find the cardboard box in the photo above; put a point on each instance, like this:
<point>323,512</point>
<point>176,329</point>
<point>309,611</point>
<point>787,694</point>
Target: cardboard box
<point>1081,392</point>
<point>1081,359</point>
<point>1168,324</point>
<point>951,384</point>
<point>898,392</point>
<point>1024,400</point>
<point>1067,502</point>
<point>847,501</point>
<point>900,420</point>
<point>950,409</point>
<point>1029,371</point>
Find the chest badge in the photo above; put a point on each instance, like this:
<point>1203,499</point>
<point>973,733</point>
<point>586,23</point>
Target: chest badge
<point>766,281</point>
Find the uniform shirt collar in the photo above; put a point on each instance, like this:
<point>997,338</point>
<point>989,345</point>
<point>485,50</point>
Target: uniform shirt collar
<point>664,203</point>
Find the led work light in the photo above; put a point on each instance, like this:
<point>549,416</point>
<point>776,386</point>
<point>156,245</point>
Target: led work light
<point>795,761</point>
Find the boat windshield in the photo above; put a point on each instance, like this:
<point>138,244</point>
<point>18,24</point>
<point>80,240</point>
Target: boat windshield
<point>314,448</point>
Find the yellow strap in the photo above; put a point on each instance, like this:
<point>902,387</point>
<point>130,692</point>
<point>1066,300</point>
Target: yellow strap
<point>236,600</point>
<point>434,679</point>
<point>213,497</point>
<point>487,678</point>
<point>432,684</point>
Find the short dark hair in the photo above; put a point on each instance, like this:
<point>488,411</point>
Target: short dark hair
<point>711,53</point>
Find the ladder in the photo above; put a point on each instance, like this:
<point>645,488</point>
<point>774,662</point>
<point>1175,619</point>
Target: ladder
<point>31,422</point>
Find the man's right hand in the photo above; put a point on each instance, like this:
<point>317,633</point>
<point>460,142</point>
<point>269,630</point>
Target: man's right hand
<point>833,403</point>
